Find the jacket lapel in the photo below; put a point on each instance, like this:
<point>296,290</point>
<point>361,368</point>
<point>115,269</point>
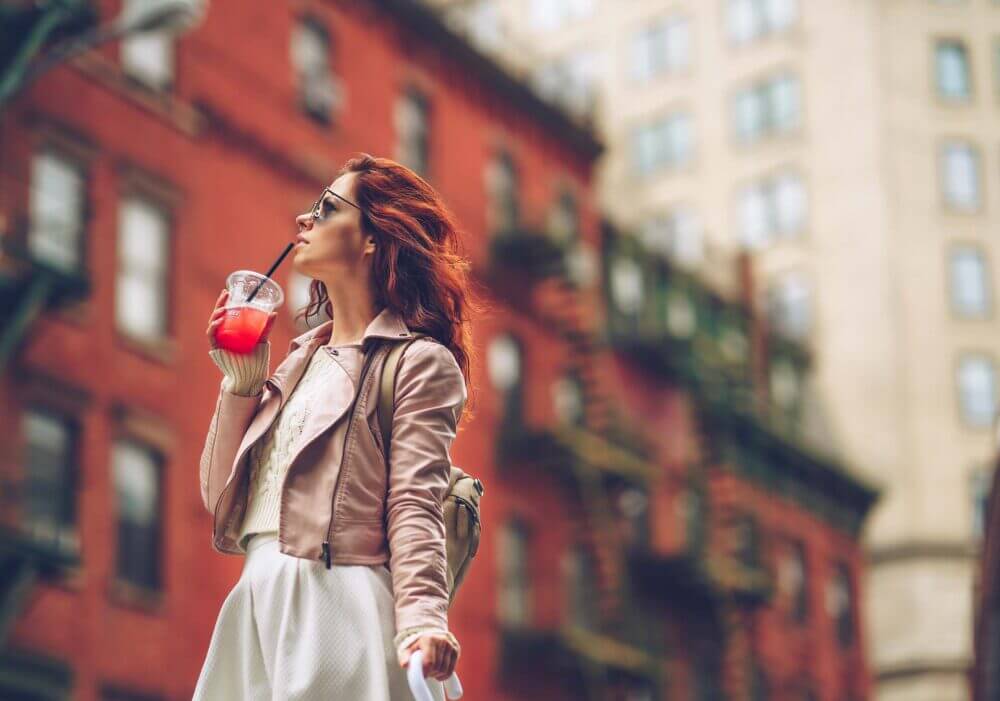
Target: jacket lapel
<point>386,325</point>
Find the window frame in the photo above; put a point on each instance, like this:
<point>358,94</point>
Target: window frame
<point>968,354</point>
<point>137,78</point>
<point>169,273</point>
<point>72,467</point>
<point>60,149</point>
<point>313,22</point>
<point>522,528</point>
<point>422,101</point>
<point>944,100</point>
<point>951,249</point>
<point>944,146</point>
<point>120,588</point>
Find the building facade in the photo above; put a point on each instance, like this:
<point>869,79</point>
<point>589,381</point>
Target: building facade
<point>653,527</point>
<point>851,149</point>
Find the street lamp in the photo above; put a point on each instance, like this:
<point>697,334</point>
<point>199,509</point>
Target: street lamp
<point>173,16</point>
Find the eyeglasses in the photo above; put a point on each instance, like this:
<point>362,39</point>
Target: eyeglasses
<point>316,211</point>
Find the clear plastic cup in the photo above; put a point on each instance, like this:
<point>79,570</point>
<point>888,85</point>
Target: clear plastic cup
<point>245,318</point>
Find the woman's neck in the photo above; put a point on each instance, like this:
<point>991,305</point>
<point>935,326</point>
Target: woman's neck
<point>353,310</point>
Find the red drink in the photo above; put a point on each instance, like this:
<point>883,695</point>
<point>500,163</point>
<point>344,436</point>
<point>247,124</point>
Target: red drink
<point>241,328</point>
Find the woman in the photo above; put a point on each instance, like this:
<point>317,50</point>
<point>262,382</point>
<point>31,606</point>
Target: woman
<point>345,571</point>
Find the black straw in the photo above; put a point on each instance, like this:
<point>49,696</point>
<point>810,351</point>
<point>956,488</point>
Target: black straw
<point>270,271</point>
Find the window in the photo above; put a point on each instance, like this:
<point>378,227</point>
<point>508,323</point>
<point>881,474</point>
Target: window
<point>503,191</point>
<point>570,80</point>
<point>960,177</point>
<point>515,583</point>
<point>50,479</point>
<point>663,46</point>
<point>977,389</point>
<point>582,265</point>
<point>148,57</point>
<point>633,505</point>
<point>553,14</point>
<point>564,218</point>
<point>57,211</point>
<point>482,21</point>
<point>788,306</point>
<point>785,384</point>
<point>793,581</point>
<point>970,283</point>
<point>770,209</point>
<point>679,314</point>
<point>667,143</point>
<point>626,286</point>
<point>840,604</point>
<point>142,285</point>
<point>136,474</point>
<point>676,235</point>
<point>504,365</point>
<point>568,399</point>
<point>767,108</point>
<point>412,131</point>
<point>951,59</point>
<point>580,575</point>
<point>751,20</point>
<point>319,90</point>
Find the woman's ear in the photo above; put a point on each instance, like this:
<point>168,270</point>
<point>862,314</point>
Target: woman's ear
<point>370,245</point>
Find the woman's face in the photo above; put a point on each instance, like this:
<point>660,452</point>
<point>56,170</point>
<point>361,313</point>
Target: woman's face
<point>332,243</point>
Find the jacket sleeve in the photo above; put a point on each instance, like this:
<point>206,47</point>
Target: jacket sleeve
<point>430,394</point>
<point>232,417</point>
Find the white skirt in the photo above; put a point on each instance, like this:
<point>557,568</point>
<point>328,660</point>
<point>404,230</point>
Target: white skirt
<point>292,630</point>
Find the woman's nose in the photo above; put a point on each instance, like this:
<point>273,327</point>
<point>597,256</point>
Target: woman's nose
<point>304,221</point>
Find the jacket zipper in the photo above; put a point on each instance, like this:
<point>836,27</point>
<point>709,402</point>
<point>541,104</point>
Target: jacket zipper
<point>343,454</point>
<point>329,528</point>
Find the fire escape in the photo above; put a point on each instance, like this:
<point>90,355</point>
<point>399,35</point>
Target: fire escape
<point>650,568</point>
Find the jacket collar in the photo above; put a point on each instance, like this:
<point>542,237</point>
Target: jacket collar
<point>386,324</point>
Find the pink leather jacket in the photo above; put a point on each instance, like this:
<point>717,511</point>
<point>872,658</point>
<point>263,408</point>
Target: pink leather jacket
<point>339,504</point>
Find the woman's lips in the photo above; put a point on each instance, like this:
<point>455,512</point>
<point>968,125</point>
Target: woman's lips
<point>301,239</point>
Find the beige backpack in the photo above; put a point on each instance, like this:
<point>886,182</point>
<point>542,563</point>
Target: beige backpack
<point>461,505</point>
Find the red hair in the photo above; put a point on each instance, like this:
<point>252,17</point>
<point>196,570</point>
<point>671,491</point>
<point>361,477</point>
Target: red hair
<point>418,270</point>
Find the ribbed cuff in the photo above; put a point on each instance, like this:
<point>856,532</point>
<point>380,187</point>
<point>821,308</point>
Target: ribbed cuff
<point>244,373</point>
<point>405,638</point>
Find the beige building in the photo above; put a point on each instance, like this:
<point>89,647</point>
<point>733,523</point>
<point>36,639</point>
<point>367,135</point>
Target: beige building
<point>854,146</point>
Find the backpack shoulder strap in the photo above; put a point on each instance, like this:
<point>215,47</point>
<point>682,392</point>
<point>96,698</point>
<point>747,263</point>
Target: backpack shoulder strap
<point>387,390</point>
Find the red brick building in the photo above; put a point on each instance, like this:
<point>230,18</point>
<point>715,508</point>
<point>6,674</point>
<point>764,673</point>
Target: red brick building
<point>640,500</point>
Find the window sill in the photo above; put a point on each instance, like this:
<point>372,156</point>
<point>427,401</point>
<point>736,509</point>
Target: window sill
<point>163,350</point>
<point>130,595</point>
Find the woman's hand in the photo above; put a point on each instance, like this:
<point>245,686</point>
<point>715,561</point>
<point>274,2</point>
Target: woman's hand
<point>440,656</point>
<point>219,313</point>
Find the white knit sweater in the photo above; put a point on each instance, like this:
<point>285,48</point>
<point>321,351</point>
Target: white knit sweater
<point>269,456</point>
